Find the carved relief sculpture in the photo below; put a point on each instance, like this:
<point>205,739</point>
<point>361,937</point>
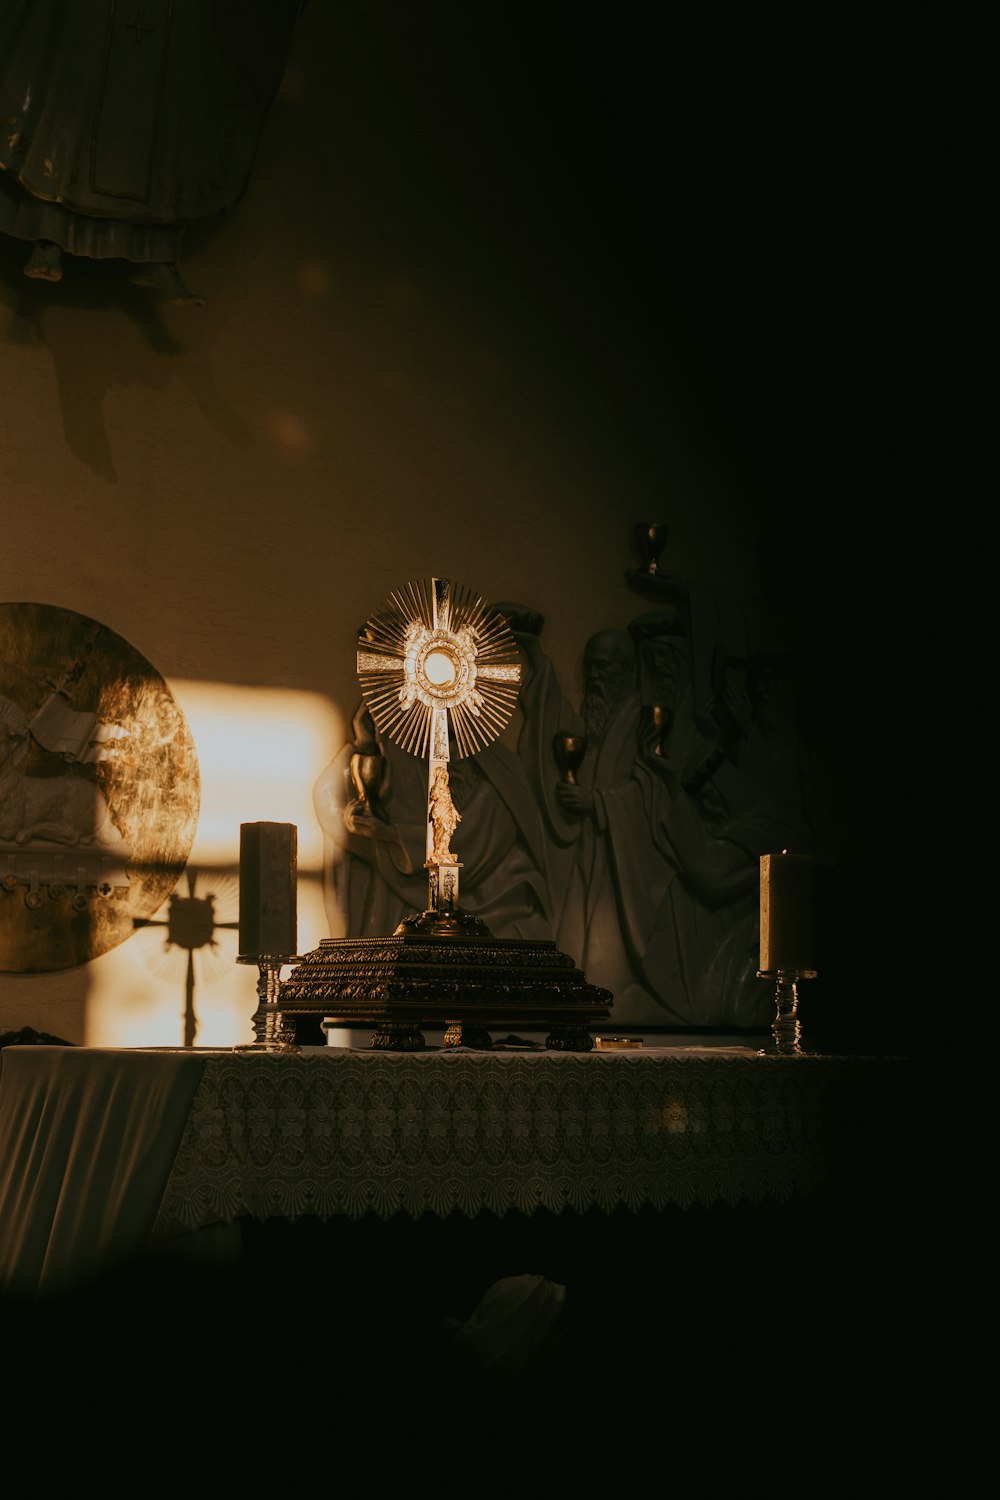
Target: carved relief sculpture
<point>638,816</point>
<point>99,789</point>
<point>123,126</point>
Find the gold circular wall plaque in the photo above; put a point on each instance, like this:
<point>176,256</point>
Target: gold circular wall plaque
<point>99,789</point>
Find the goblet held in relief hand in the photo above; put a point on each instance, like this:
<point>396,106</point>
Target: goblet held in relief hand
<point>652,538</point>
<point>367,776</point>
<point>660,720</point>
<point>569,750</point>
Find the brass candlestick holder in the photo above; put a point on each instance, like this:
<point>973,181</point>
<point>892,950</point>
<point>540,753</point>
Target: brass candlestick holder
<point>273,1030</point>
<point>786,1029</point>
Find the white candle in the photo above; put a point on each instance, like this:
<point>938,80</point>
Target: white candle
<point>786,912</point>
<point>268,896</point>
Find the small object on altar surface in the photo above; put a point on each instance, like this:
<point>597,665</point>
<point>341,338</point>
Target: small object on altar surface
<point>617,1043</point>
<point>786,901</point>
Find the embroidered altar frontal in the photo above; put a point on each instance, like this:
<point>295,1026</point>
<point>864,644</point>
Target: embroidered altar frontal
<point>338,1132</point>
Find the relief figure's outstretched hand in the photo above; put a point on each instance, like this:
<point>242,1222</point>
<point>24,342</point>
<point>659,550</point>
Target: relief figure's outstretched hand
<point>577,801</point>
<point>359,819</point>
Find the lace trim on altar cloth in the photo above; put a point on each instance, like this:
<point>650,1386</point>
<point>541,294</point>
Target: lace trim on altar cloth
<point>355,1133</point>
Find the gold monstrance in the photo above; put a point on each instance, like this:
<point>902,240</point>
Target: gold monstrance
<point>440,676</point>
<point>437,668</point>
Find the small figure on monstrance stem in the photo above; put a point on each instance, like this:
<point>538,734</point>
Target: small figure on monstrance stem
<point>445,818</point>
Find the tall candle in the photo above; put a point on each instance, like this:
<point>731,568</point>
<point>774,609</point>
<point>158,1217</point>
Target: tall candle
<point>786,911</point>
<point>268,898</point>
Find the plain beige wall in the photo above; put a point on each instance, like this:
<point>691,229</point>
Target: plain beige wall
<point>379,388</point>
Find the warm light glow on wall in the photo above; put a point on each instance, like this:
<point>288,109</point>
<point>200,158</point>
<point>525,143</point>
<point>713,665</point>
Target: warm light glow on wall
<point>139,992</point>
<point>260,752</point>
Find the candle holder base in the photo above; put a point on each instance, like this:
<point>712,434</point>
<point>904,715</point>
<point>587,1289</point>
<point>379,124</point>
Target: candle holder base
<point>273,1031</point>
<point>786,1029</point>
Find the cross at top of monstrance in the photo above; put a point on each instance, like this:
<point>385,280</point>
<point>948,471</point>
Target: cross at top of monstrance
<point>439,673</point>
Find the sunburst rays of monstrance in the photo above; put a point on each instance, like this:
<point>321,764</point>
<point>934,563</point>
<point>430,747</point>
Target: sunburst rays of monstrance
<point>440,674</point>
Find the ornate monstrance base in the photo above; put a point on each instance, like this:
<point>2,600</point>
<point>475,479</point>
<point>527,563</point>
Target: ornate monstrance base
<point>442,969</point>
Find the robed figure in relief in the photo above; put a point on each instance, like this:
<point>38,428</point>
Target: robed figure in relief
<point>122,126</point>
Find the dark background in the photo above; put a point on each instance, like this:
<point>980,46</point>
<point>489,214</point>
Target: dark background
<point>703,212</point>
<point>696,217</point>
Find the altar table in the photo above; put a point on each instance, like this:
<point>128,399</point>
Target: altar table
<point>106,1154</point>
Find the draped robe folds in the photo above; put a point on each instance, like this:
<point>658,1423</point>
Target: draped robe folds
<point>122,125</point>
<point>601,865</point>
